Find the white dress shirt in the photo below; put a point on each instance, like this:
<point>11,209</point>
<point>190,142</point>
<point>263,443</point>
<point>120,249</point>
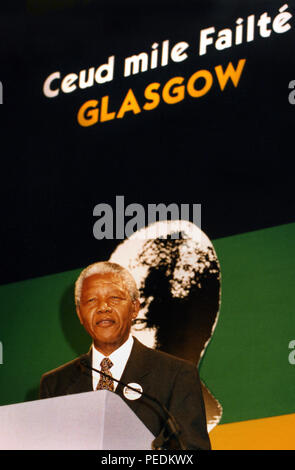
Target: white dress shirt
<point>119,359</point>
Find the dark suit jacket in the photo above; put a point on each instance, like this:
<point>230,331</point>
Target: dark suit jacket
<point>173,381</point>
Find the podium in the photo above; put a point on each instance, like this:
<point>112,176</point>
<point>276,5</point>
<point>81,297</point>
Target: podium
<point>84,421</point>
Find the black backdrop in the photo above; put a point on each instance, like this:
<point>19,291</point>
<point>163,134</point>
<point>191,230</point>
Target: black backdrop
<point>231,151</point>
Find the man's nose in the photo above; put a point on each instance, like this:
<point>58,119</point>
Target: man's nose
<point>103,306</point>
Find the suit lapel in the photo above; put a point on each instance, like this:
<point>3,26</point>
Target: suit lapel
<point>136,371</point>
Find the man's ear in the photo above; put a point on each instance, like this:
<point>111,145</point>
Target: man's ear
<point>136,307</point>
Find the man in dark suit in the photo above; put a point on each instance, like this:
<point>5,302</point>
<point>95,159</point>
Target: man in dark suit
<point>107,302</point>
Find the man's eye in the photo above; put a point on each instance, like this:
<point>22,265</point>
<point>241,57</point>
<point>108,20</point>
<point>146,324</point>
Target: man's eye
<point>90,300</point>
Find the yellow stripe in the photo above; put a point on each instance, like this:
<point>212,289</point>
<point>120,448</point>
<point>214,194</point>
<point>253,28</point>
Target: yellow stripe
<point>275,433</point>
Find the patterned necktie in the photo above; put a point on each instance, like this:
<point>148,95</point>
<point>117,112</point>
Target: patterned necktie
<point>104,382</point>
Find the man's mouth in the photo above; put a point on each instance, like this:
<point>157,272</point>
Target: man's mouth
<point>105,322</point>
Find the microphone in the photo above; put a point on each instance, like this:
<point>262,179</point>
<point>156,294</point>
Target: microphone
<point>172,438</point>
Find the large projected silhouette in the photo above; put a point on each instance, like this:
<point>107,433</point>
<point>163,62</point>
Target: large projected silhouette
<point>178,275</point>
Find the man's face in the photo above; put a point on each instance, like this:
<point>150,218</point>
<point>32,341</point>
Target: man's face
<point>106,311</point>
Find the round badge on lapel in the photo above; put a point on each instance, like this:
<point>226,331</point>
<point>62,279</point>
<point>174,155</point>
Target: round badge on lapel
<point>131,394</point>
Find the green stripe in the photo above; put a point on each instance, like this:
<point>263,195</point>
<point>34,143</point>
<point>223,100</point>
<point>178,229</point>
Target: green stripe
<point>246,363</point>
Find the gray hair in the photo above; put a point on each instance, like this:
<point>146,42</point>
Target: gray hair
<point>104,267</point>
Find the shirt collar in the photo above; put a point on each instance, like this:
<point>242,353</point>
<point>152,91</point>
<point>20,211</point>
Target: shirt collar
<point>119,355</point>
